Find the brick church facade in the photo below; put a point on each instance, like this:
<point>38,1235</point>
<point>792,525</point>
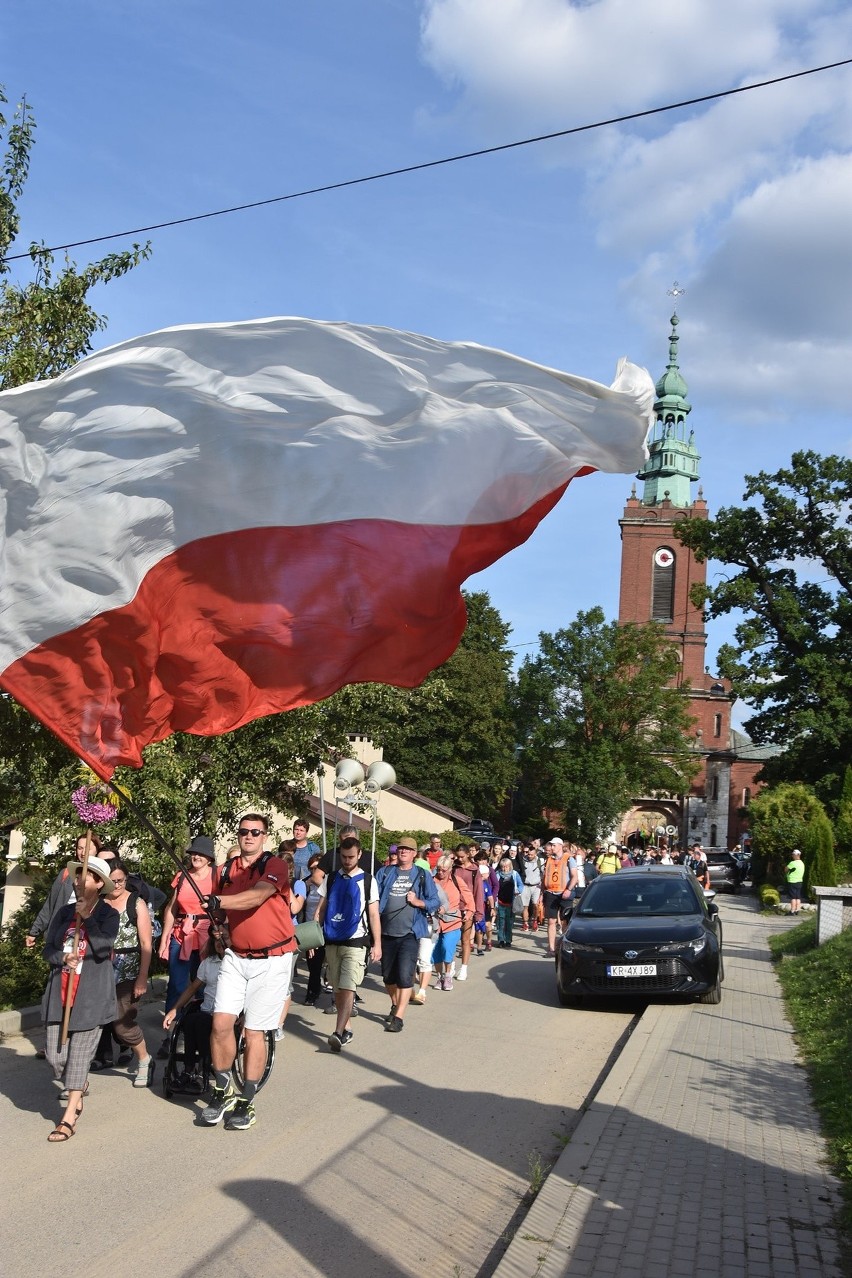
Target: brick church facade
<point>657,575</point>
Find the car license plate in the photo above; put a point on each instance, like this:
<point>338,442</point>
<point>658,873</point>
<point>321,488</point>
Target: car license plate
<point>632,969</point>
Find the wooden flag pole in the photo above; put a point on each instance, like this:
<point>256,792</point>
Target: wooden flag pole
<point>69,991</point>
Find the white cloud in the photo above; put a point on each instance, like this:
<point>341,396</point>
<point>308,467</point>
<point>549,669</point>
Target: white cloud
<point>787,256</point>
<point>537,60</point>
<point>747,200</point>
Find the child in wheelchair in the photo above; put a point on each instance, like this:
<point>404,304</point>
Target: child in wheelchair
<point>190,1021</point>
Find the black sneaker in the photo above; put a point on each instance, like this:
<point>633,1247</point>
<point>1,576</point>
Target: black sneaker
<point>242,1117</point>
<point>222,1101</point>
<point>192,1084</point>
<point>394,1025</point>
<point>346,1037</point>
<point>335,1041</point>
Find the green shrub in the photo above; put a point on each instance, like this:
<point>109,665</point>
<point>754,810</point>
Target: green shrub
<point>780,820</point>
<point>817,985</point>
<point>818,853</point>
<point>23,972</point>
<point>770,897</point>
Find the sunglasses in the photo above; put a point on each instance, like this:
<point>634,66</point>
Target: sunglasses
<point>246,831</point>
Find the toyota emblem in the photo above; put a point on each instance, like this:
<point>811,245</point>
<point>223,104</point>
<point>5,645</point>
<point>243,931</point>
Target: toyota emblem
<point>631,954</point>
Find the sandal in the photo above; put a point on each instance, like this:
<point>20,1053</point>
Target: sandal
<point>58,1136</point>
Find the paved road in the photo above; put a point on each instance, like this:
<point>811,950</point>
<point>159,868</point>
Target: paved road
<point>407,1154</point>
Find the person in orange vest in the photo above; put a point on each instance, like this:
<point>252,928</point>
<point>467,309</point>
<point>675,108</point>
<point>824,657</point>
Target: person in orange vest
<point>554,880</point>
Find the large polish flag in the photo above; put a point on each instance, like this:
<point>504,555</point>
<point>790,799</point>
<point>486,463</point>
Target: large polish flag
<point>217,522</point>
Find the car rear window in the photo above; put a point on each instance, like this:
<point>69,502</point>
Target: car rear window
<point>637,896</point>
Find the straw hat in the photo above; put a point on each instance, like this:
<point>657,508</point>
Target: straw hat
<point>97,866</point>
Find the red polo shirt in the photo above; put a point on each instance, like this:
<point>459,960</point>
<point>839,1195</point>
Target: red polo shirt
<point>269,925</point>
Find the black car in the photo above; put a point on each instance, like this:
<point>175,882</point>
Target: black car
<point>477,829</point>
<point>645,931</point>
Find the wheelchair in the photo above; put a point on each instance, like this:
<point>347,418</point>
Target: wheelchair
<point>176,1081</point>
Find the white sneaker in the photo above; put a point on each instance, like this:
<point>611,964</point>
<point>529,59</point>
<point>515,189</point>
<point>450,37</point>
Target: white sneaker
<point>461,975</point>
<point>419,996</point>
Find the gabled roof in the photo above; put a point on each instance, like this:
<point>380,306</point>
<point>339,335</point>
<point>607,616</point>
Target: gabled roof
<point>746,751</point>
<point>431,805</point>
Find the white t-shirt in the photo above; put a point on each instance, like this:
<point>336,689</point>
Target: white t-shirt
<point>208,972</point>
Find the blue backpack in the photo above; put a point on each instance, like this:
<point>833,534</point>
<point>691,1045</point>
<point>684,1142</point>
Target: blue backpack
<point>344,911</point>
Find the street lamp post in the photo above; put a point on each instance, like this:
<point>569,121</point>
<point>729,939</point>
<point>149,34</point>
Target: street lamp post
<point>360,790</point>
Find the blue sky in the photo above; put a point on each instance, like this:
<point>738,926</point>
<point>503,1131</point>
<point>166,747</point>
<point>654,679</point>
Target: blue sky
<point>562,252</point>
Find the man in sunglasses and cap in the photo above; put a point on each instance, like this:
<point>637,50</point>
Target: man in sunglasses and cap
<point>257,968</point>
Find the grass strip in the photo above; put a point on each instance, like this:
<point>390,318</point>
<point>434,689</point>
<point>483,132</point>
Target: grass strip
<point>817,985</point>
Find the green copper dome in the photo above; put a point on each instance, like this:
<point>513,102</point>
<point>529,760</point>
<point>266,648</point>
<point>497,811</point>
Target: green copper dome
<point>672,465</point>
<point>671,388</point>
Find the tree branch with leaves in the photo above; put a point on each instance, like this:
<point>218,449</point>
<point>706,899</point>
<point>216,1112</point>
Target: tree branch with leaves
<point>791,554</point>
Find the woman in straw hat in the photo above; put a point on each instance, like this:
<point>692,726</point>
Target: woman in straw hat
<point>85,979</point>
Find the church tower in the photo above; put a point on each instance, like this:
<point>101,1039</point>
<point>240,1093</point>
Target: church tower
<point>657,575</point>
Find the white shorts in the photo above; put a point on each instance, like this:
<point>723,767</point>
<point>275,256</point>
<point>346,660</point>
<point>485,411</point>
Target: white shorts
<point>259,987</point>
<point>531,895</point>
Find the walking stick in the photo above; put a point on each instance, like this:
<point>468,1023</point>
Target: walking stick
<point>75,945</point>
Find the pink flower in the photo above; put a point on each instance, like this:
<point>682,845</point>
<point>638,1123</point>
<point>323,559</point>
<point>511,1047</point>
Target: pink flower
<point>90,810</point>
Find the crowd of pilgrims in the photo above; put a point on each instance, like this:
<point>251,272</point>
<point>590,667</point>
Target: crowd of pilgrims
<point>485,893</point>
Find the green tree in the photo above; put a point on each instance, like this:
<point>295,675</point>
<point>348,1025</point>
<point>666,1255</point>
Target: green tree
<point>788,557</point>
<point>787,816</point>
<point>47,322</point>
<point>451,738</point>
<point>843,829</point>
<point>600,723</point>
<point>187,785</point>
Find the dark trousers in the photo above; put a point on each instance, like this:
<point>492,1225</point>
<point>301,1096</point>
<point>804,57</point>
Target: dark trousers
<point>315,966</point>
<point>505,920</point>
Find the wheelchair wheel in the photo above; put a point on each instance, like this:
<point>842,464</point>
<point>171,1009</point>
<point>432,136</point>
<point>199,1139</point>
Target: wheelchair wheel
<point>174,1071</point>
<point>238,1073</point>
<point>173,1067</point>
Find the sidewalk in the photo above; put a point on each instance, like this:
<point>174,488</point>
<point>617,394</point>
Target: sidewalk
<point>700,1156</point>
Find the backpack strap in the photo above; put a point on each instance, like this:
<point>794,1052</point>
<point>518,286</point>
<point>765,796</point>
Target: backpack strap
<point>259,866</point>
<point>131,907</point>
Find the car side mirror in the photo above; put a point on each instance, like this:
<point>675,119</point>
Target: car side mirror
<point>712,909</point>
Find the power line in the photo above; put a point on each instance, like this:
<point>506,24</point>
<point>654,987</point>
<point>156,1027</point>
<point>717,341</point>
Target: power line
<point>434,164</point>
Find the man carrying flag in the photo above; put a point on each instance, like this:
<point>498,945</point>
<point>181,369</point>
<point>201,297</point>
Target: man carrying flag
<point>257,969</point>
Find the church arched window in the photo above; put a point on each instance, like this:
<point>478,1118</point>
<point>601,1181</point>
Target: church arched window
<point>662,585</point>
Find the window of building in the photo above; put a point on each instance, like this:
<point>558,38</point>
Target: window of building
<point>717,725</point>
<point>714,791</point>
<point>713,832</point>
<point>662,586</point>
<point>746,796</point>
